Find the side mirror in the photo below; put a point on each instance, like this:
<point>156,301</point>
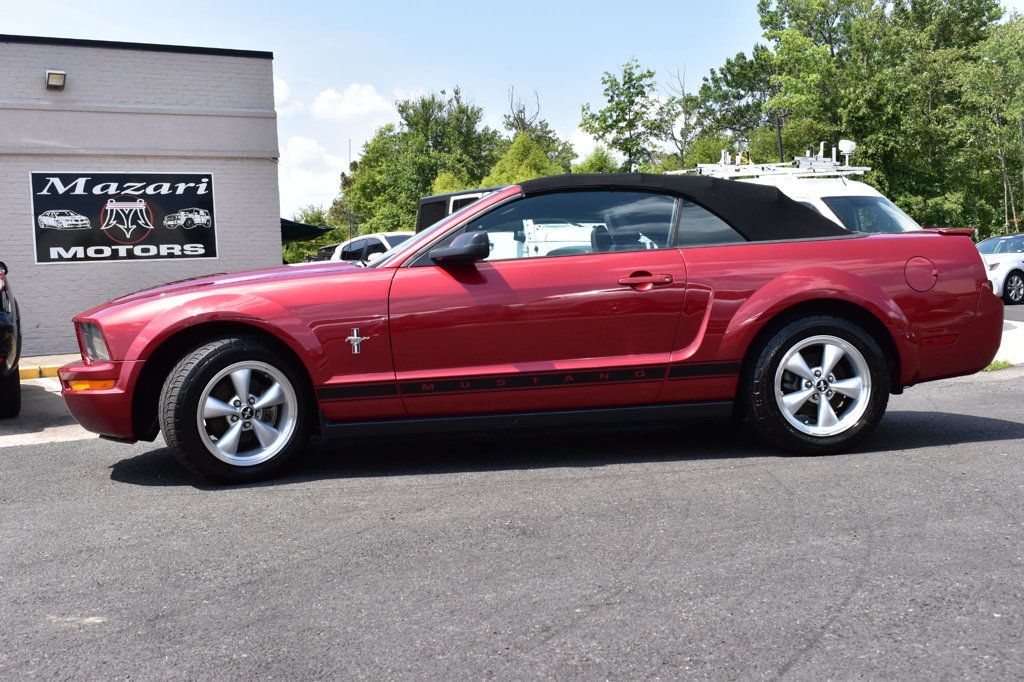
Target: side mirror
<point>374,257</point>
<point>468,247</point>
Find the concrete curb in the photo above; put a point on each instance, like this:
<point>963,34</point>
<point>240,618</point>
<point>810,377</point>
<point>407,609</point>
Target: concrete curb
<point>1012,348</point>
<point>43,366</point>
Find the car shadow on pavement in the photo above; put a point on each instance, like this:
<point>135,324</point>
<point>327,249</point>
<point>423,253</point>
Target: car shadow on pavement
<point>410,456</point>
<point>40,409</point>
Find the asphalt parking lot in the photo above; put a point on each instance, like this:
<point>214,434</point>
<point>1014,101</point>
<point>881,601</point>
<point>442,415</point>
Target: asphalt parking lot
<point>690,552</point>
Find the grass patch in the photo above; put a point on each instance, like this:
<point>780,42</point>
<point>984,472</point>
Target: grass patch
<point>998,365</point>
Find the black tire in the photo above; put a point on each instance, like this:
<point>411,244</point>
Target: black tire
<point>189,223</point>
<point>756,389</point>
<point>1014,295</point>
<point>179,404</point>
<point>10,394</point>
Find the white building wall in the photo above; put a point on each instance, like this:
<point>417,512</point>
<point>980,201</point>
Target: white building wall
<point>132,110</point>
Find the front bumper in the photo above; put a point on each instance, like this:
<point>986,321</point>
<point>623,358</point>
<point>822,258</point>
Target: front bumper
<point>106,411</point>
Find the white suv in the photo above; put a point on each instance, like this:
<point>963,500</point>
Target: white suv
<point>365,249</point>
<point>188,218</point>
<point>1004,260</point>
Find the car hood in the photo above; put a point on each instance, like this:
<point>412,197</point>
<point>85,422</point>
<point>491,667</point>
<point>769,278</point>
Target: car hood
<point>1001,258</point>
<point>250,277</point>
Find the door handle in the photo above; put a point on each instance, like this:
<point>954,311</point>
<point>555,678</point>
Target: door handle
<point>644,281</point>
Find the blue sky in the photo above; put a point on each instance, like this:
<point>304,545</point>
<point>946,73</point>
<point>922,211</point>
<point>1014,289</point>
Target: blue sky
<point>340,65</point>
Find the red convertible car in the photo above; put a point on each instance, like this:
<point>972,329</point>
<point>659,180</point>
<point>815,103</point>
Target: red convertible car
<point>556,302</point>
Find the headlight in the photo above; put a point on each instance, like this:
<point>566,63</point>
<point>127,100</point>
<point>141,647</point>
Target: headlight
<point>93,346</point>
<point>993,266</point>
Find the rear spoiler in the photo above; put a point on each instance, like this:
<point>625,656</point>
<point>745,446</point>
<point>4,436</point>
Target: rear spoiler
<point>958,231</point>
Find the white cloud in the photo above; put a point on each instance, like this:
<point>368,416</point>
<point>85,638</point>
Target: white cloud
<point>283,101</point>
<point>355,103</point>
<point>415,93</point>
<point>582,142</point>
<point>308,174</point>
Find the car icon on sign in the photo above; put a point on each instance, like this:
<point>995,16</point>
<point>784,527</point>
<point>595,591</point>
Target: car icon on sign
<point>63,220</point>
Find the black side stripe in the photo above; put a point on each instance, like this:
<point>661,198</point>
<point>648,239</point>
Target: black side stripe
<point>545,380</point>
<point>709,369</point>
<point>512,382</point>
<point>352,391</point>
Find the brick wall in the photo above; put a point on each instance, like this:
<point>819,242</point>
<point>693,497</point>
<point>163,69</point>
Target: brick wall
<point>132,110</point>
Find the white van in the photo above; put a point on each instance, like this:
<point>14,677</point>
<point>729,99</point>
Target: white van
<point>823,184</point>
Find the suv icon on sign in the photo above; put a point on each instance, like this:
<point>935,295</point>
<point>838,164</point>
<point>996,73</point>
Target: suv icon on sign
<point>188,218</point>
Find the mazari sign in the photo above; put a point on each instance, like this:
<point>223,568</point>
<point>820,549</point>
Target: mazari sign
<point>84,217</point>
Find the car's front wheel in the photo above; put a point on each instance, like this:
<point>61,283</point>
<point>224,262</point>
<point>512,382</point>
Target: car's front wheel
<point>234,410</point>
<point>189,223</point>
<point>1013,288</point>
<point>818,385</point>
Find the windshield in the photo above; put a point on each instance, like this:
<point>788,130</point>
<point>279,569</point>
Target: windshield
<point>396,239</point>
<point>870,214</point>
<point>410,244</point>
<point>998,245</point>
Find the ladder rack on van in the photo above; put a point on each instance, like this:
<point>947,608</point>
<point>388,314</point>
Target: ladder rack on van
<point>801,167</point>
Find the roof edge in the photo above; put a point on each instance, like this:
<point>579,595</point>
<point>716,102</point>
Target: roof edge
<point>142,47</point>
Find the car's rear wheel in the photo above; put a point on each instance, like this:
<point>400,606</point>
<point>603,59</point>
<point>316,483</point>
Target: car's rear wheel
<point>10,394</point>
<point>818,385</point>
<point>234,410</point>
<point>1013,288</point>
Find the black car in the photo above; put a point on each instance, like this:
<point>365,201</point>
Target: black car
<point>10,348</point>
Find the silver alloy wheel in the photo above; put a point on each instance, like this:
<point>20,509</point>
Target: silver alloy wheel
<point>1015,288</point>
<point>823,385</point>
<point>247,413</point>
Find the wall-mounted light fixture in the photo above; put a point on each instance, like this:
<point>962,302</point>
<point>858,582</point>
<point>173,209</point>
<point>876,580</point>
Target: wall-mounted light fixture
<point>55,80</point>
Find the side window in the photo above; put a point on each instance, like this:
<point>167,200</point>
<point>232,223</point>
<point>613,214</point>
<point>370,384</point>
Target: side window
<point>700,227</point>
<point>462,202</point>
<point>575,223</point>
<point>374,246</point>
<point>353,251</point>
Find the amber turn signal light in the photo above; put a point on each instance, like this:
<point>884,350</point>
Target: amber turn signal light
<point>94,385</point>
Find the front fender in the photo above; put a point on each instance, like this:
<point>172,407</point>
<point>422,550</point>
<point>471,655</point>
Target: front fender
<point>241,308</point>
<point>816,284</point>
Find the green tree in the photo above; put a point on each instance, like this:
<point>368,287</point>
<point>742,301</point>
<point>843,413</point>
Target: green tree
<point>630,122</point>
<point>524,160</point>
<point>437,133</point>
<point>707,148</point>
<point>521,118</point>
<point>734,98</point>
<point>599,161</point>
<point>297,252</point>
<point>992,86</point>
<point>446,182</point>
<point>682,120</point>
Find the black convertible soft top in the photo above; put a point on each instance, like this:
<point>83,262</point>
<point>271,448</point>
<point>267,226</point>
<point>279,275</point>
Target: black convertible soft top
<point>758,212</point>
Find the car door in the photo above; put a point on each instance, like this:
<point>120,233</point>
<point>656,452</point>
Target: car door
<point>576,306</point>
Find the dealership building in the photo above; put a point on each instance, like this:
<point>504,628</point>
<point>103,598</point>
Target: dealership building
<point>126,165</point>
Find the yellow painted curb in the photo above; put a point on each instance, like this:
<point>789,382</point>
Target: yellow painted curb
<point>37,372</point>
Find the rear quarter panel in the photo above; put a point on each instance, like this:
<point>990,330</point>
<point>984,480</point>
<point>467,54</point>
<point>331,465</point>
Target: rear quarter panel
<point>734,291</point>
